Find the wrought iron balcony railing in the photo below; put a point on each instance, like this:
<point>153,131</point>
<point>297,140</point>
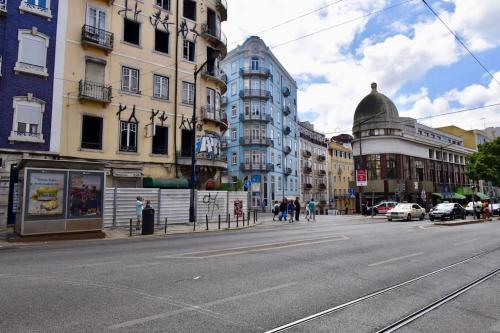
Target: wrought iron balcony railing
<point>288,150</point>
<point>257,167</point>
<point>258,93</point>
<point>214,34</point>
<point>307,186</point>
<point>287,171</point>
<point>255,71</point>
<point>306,153</point>
<point>321,158</point>
<point>97,37</point>
<point>256,117</point>
<point>210,113</point>
<point>222,8</point>
<point>287,110</point>
<point>94,91</point>
<point>262,141</point>
<point>287,130</point>
<point>307,170</point>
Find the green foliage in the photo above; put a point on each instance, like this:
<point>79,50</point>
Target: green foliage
<point>485,164</point>
<point>239,184</point>
<point>231,187</point>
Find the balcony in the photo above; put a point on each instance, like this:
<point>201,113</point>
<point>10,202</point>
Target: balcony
<point>249,71</point>
<point>218,77</point>
<point>222,8</point>
<point>3,7</point>
<point>266,167</point>
<point>203,159</point>
<point>97,37</point>
<point>31,7</point>
<point>214,35</point>
<point>223,143</point>
<point>322,186</point>
<point>92,91</point>
<point>223,100</point>
<point>306,153</point>
<point>287,171</point>
<point>321,158</point>
<point>322,173</point>
<point>287,110</point>
<point>249,141</point>
<point>287,130</point>
<point>286,91</point>
<point>287,150</point>
<point>307,186</point>
<point>216,116</point>
<point>259,117</point>
<point>255,93</point>
<point>307,170</point>
<point>23,136</point>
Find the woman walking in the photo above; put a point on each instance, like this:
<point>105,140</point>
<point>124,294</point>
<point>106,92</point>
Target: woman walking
<point>297,208</point>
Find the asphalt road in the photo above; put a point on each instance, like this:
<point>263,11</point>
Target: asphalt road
<point>256,280</point>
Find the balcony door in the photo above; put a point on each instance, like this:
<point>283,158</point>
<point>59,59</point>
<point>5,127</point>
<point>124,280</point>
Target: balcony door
<point>211,102</point>
<point>96,18</point>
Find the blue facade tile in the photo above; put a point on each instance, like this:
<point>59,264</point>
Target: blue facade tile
<point>20,84</point>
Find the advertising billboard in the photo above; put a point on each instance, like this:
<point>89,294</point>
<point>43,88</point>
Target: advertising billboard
<point>361,177</point>
<point>85,195</point>
<point>46,194</point>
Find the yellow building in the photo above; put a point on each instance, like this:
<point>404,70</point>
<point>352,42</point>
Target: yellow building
<point>340,173</point>
<point>472,138</point>
<point>128,87</point>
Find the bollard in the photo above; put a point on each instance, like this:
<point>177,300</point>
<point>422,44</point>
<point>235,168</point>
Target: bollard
<point>248,218</point>
<point>194,225</point>
<point>219,221</point>
<point>130,227</point>
<point>229,221</point>
<point>165,225</point>
<point>206,220</point>
<point>243,218</point>
<point>237,220</point>
<point>256,216</point>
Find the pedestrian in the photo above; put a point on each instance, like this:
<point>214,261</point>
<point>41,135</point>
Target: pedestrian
<point>478,209</point>
<point>297,208</point>
<point>312,210</point>
<point>307,211</point>
<point>486,210</point>
<point>139,205</point>
<point>346,208</point>
<point>264,204</point>
<point>291,211</point>
<point>276,209</point>
<point>283,210</point>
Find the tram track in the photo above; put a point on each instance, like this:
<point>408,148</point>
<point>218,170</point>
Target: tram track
<point>404,321</point>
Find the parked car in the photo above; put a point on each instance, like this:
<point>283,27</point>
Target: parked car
<point>406,211</point>
<point>495,209</point>
<point>382,207</point>
<point>447,211</point>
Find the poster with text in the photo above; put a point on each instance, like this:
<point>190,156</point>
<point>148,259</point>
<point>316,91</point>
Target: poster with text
<point>46,194</point>
<point>85,195</point>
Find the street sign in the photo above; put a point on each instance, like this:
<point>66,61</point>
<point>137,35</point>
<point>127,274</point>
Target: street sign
<point>361,179</point>
<point>248,183</point>
<point>352,192</point>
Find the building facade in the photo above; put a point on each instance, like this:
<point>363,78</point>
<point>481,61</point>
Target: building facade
<point>313,166</point>
<point>28,35</point>
<point>262,140</point>
<point>340,176</point>
<point>129,88</point>
<point>405,160</point>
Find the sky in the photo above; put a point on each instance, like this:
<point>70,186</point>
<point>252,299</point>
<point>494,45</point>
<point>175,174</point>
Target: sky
<point>336,48</point>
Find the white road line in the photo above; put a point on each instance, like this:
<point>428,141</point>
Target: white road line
<point>255,248</point>
<point>95,264</point>
<point>141,265</point>
<point>465,242</point>
<point>395,259</point>
<point>198,307</point>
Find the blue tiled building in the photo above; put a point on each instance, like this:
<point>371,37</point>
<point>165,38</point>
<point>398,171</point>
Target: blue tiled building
<point>262,139</point>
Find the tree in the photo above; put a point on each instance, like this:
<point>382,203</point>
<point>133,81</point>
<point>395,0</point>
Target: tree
<point>485,164</point>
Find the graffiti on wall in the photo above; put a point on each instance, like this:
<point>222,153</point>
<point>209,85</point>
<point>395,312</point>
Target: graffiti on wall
<point>210,200</point>
<point>209,144</point>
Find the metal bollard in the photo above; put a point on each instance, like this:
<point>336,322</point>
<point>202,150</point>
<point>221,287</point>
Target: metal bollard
<point>229,221</point>
<point>194,225</point>
<point>165,225</point>
<point>237,220</point>
<point>243,219</point>
<point>256,216</point>
<point>248,218</point>
<point>219,221</point>
<point>206,220</point>
<point>130,227</point>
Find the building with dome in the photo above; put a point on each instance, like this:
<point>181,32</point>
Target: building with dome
<point>405,160</point>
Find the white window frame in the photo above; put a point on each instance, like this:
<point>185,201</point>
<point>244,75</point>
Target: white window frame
<point>234,159</point>
<point>161,87</point>
<point>234,88</point>
<point>129,74</point>
<point>130,127</point>
<point>44,12</point>
<point>29,99</point>
<point>234,111</point>
<point>187,93</point>
<point>234,135</point>
<point>169,9</point>
<point>187,55</point>
<point>31,68</point>
<point>233,67</point>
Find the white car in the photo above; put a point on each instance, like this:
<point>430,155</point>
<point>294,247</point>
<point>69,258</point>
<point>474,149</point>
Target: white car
<point>406,211</point>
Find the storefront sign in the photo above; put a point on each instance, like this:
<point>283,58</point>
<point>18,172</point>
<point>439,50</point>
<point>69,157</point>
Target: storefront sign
<point>127,173</point>
<point>361,179</point>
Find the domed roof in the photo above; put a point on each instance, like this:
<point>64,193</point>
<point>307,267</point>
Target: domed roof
<point>375,107</point>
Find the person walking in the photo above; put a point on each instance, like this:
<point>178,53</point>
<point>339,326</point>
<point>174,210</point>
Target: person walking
<point>283,210</point>
<point>307,211</point>
<point>276,209</point>
<point>291,211</point>
<point>312,210</point>
<point>297,209</point>
<point>139,205</point>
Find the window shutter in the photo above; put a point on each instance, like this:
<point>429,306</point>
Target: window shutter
<point>33,51</point>
<point>94,72</point>
<point>28,114</point>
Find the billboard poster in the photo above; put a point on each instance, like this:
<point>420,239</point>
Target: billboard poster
<point>361,179</point>
<point>85,195</point>
<point>45,194</point>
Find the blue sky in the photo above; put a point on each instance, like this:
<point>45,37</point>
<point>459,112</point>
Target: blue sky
<point>410,54</point>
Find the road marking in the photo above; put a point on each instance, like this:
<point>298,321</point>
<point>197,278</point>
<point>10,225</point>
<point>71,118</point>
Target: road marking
<point>395,259</point>
<point>253,248</point>
<point>95,264</point>
<point>141,265</point>
<point>199,307</point>
<point>465,242</point>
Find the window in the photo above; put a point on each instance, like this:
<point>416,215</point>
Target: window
<point>164,4</point>
<point>234,111</point>
<point>128,136</point>
<point>188,50</point>
<point>160,86</point>
<point>190,9</point>
<point>373,166</point>
<point>162,41</point>
<point>160,141</point>
<point>279,139</point>
<point>38,7</point>
<point>131,31</point>
<point>91,132</point>
<point>32,55</point>
<point>27,122</point>
<point>279,183</point>
<point>255,63</point>
<point>233,89</point>
<point>234,158</point>
<point>130,80</point>
<point>187,93</point>
<point>233,134</point>
<point>233,67</point>
<point>391,166</point>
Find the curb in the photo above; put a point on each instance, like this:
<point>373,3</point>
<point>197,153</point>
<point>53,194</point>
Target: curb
<point>450,224</point>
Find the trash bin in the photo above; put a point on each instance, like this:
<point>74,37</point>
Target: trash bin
<point>148,221</point>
